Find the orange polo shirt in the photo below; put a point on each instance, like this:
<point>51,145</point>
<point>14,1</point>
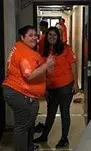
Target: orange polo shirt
<point>21,63</point>
<point>62,74</point>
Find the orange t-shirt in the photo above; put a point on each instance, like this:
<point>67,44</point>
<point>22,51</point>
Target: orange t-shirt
<point>64,31</point>
<point>21,62</point>
<point>62,74</point>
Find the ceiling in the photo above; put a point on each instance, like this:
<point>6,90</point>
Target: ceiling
<point>55,7</point>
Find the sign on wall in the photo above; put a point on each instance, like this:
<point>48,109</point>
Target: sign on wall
<point>25,3</point>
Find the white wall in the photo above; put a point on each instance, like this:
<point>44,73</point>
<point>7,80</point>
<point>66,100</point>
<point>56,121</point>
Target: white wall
<point>25,15</point>
<point>77,26</point>
<point>9,25</point>
<point>10,38</point>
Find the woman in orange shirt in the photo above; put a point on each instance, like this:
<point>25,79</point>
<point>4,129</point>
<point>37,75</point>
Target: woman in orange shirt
<point>64,29</point>
<point>61,84</point>
<point>24,83</point>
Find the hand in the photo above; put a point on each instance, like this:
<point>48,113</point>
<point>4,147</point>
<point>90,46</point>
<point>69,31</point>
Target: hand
<point>50,63</point>
<point>75,88</point>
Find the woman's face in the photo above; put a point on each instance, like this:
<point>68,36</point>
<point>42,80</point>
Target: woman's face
<point>30,38</point>
<point>52,37</point>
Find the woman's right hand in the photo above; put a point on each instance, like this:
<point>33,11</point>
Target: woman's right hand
<point>50,63</point>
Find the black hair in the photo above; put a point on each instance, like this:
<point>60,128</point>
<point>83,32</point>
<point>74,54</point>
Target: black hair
<point>22,31</point>
<point>58,46</point>
<point>63,20</point>
<point>60,17</point>
<point>44,23</point>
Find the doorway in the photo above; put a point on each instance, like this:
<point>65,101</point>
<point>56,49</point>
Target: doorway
<point>76,18</point>
<point>78,27</point>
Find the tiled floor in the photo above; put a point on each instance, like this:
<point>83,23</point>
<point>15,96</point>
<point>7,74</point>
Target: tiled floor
<point>76,129</point>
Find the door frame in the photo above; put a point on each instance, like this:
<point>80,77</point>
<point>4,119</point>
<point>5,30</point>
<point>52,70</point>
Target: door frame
<point>73,2</point>
<point>2,70</point>
<point>89,59</point>
<point>67,2</point>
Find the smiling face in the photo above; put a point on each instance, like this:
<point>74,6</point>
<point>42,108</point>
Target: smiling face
<point>52,37</point>
<point>30,38</point>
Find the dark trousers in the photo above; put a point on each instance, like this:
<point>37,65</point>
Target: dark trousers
<point>61,97</point>
<point>25,111</point>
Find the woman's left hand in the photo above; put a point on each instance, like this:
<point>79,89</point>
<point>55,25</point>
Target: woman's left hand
<point>75,88</point>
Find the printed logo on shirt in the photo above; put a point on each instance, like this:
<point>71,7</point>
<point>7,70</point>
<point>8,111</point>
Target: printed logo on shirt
<point>10,56</point>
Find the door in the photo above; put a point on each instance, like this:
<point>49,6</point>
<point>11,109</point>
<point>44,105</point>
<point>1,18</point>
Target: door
<point>88,44</point>
<point>2,105</point>
<point>86,61</point>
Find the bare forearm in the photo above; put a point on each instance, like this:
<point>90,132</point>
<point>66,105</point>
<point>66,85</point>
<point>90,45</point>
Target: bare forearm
<point>38,72</point>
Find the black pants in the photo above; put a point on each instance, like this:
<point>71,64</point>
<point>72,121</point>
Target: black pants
<point>25,111</point>
<point>61,97</point>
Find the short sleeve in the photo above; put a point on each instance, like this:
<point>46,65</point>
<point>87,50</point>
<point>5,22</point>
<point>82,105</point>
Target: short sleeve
<point>27,67</point>
<point>70,55</point>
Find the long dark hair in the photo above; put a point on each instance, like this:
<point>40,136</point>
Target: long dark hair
<point>58,46</point>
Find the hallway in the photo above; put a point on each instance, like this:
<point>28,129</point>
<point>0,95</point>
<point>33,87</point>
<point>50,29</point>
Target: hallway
<point>76,129</point>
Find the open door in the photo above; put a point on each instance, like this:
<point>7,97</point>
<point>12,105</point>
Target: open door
<point>86,68</point>
<point>89,63</point>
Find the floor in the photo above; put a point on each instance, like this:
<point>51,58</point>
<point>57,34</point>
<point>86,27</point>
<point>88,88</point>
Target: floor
<point>76,129</point>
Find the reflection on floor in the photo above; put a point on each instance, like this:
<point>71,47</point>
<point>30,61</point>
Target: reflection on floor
<point>76,129</point>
